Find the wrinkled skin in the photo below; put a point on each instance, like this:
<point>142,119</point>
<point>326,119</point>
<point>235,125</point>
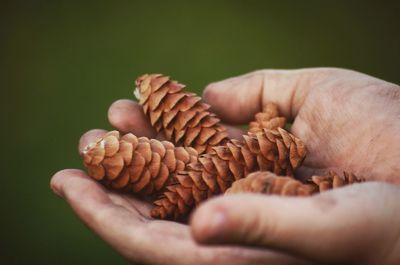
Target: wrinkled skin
<point>348,120</point>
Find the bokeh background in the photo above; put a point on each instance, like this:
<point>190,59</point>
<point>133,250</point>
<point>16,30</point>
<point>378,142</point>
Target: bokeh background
<point>62,63</point>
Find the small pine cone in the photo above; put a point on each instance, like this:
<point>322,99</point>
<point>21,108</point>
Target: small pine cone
<point>269,183</point>
<point>333,180</point>
<point>269,119</point>
<point>182,117</point>
<point>213,173</point>
<point>135,164</point>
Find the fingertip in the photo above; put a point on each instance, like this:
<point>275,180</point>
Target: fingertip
<point>89,137</point>
<point>234,132</point>
<point>214,93</point>
<point>208,222</point>
<point>210,93</point>
<point>118,112</point>
<point>75,186</point>
<point>235,100</point>
<point>128,117</point>
<point>59,178</point>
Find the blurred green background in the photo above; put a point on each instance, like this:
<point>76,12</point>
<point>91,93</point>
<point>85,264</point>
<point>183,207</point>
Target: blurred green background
<point>63,63</point>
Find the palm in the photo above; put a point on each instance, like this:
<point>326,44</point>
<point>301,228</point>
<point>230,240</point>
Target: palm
<point>339,125</point>
<point>125,223</point>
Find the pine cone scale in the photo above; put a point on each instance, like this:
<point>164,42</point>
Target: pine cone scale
<point>210,180</point>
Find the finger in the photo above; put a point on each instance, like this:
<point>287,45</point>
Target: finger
<point>88,198</point>
<point>234,132</point>
<point>91,203</point>
<point>236,100</point>
<point>324,228</point>
<point>127,116</point>
<point>89,137</point>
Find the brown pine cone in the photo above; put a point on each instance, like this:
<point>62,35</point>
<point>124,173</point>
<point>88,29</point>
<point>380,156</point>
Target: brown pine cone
<point>213,173</point>
<point>269,118</point>
<point>333,180</point>
<point>269,183</point>
<point>135,164</point>
<point>182,117</point>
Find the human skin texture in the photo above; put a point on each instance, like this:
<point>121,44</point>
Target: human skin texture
<point>348,121</point>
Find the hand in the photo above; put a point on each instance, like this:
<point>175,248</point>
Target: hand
<point>124,222</point>
<point>358,224</point>
<point>348,121</point>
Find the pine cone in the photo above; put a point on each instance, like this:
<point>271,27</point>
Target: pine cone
<point>135,164</point>
<point>213,173</point>
<point>333,180</point>
<point>269,118</point>
<point>269,183</point>
<point>182,117</point>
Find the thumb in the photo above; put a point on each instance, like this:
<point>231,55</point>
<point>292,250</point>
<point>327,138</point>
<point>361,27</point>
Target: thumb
<point>236,100</point>
<point>323,228</point>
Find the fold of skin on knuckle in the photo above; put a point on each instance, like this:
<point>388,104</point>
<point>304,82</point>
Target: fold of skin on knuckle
<point>280,88</point>
<point>274,81</point>
<point>289,88</point>
<point>120,201</point>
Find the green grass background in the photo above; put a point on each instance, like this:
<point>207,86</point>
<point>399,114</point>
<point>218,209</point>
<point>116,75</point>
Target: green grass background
<point>62,63</point>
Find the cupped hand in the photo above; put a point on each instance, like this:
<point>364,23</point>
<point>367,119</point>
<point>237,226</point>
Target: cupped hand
<point>348,121</point>
<point>124,222</point>
<point>357,224</point>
